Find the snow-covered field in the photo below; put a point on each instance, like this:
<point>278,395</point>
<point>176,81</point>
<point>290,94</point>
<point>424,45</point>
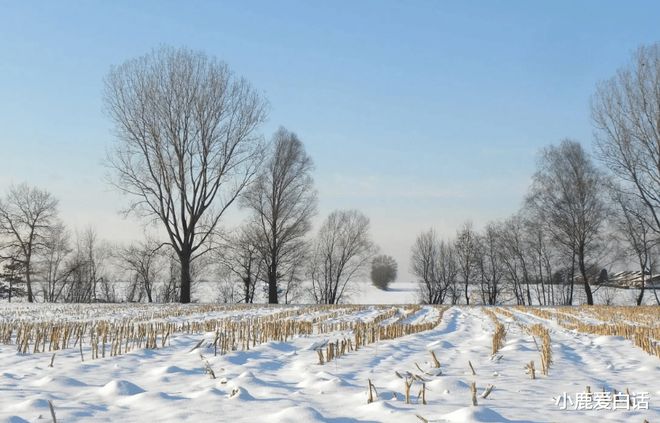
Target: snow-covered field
<point>282,380</point>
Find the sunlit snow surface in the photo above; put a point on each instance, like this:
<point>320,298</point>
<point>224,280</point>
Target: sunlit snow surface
<point>283,382</point>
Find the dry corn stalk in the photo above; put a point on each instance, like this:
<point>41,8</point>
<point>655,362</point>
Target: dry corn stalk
<point>529,368</point>
<point>436,363</point>
<point>545,348</point>
<point>487,391</point>
<point>372,389</point>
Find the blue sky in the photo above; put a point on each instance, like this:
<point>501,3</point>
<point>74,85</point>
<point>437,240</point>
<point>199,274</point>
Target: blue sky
<point>418,113</point>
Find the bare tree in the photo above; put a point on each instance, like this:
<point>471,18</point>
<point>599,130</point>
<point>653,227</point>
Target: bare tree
<point>515,259</point>
<point>239,258</point>
<point>465,248</point>
<point>341,253</point>
<point>54,269</point>
<point>539,262</point>
<point>433,262</point>
<point>26,215</point>
<point>626,114</point>
<point>291,288</point>
<point>87,278</point>
<point>566,194</point>
<point>383,271</point>
<point>186,144</point>
<point>283,202</point>
<point>142,260</point>
<point>169,290</point>
<point>632,224</point>
<point>489,263</point>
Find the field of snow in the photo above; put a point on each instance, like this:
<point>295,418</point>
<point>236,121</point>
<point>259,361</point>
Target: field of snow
<point>276,376</point>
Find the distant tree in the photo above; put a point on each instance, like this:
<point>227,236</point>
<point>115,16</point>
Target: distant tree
<point>186,144</point>
<point>632,225</point>
<point>433,263</point>
<point>515,256</point>
<point>26,216</point>
<point>567,194</point>
<point>490,264</point>
<point>283,201</point>
<point>625,111</point>
<point>383,271</point>
<point>169,290</point>
<point>239,258</point>
<point>142,260</point>
<point>87,277</point>
<point>466,249</point>
<point>341,251</point>
<point>54,260</point>
<point>12,275</point>
<point>539,261</point>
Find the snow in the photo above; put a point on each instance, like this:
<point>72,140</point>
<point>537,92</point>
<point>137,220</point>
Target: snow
<point>283,382</point>
<point>397,293</point>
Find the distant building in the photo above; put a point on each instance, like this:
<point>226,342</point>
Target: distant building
<point>632,279</point>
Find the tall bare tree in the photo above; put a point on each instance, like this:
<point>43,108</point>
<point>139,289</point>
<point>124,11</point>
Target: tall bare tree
<point>567,194</point>
<point>186,144</point>
<point>342,251</point>
<point>283,202</point>
<point>626,114</point>
<point>26,216</point>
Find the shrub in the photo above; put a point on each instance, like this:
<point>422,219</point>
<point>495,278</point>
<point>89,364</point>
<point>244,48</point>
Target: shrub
<point>383,271</point>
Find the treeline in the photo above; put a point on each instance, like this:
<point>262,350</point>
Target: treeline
<point>188,148</point>
<point>579,217</point>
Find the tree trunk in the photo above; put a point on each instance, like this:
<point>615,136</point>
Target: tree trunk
<point>570,295</point>
<point>186,279</point>
<point>28,282</point>
<point>640,297</point>
<point>467,296</point>
<point>583,271</point>
<point>272,287</point>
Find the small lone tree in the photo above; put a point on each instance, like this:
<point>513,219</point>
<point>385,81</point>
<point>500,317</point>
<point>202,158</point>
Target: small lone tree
<point>383,271</point>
